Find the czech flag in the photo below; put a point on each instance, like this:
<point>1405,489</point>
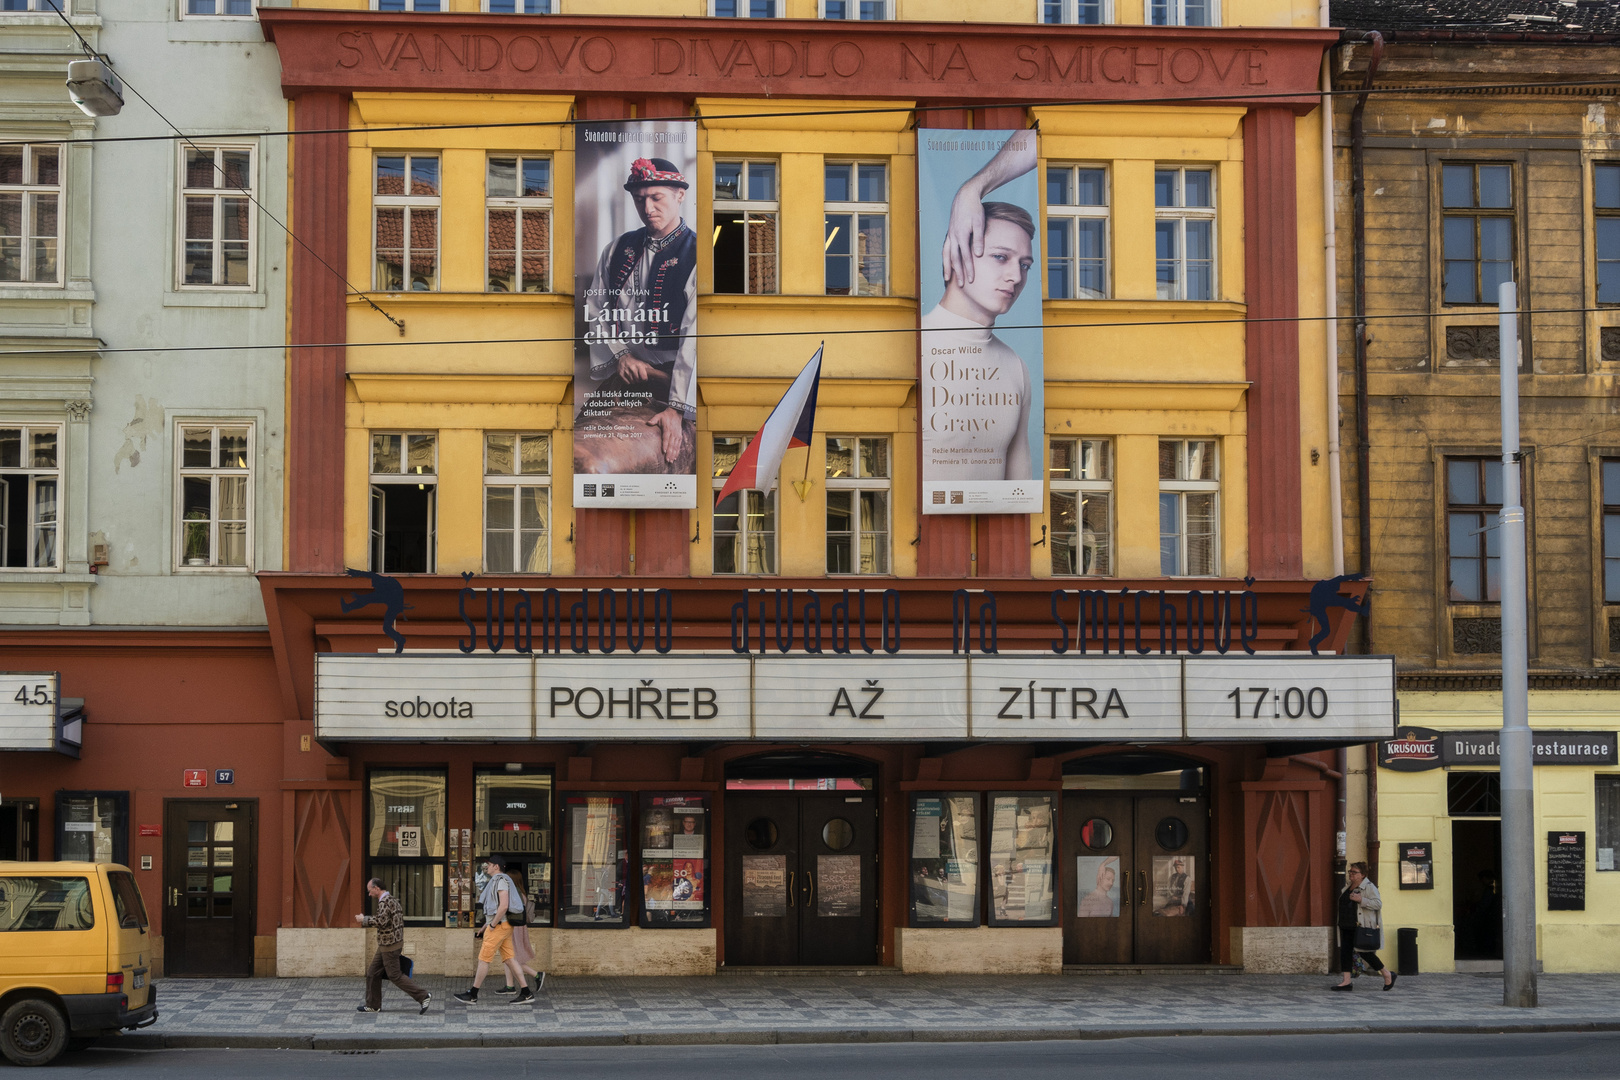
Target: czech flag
<point>789,425</point>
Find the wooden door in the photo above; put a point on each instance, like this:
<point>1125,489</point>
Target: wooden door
<point>1099,879</point>
<point>208,886</point>
<point>1172,872</point>
<point>838,879</point>
<point>762,880</point>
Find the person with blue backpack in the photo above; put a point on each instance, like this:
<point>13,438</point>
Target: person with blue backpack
<point>503,905</point>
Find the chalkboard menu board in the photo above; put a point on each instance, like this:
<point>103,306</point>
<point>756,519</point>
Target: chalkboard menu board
<point>1566,871</point>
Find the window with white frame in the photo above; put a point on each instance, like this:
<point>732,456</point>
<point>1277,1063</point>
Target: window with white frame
<point>521,7</point>
<point>857,228</point>
<point>517,503</point>
<point>1184,233</point>
<point>215,492</point>
<point>517,224</point>
<point>1076,232</point>
<point>745,227</point>
<point>202,9</point>
<point>1189,522</point>
<point>1084,12</point>
<point>406,208</point>
<point>30,213</point>
<point>858,479</point>
<point>404,501</point>
<point>855,9</point>
<point>30,496</point>
<point>744,521</point>
<point>745,9</point>
<point>33,5</point>
<point>1183,12</point>
<point>407,5</point>
<point>216,214</point>
<point>1082,484</point>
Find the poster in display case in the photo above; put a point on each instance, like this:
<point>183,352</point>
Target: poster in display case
<point>675,861</point>
<point>596,861</point>
<point>1023,836</point>
<point>945,859</point>
<point>1417,866</point>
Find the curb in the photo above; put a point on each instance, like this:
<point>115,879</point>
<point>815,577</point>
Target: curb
<point>790,1036</point>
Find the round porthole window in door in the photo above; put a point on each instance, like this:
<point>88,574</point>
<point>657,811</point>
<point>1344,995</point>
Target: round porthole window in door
<point>761,834</point>
<point>1171,833</point>
<point>838,834</point>
<point>1096,834</point>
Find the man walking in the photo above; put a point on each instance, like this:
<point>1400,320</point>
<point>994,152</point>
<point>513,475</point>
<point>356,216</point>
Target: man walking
<point>501,902</point>
<point>390,924</point>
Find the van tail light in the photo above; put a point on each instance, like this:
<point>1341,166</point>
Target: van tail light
<point>115,982</point>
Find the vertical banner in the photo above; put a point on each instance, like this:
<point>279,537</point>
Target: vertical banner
<point>982,401</point>
<point>635,289</point>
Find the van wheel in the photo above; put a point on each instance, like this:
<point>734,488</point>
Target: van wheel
<point>33,1032</point>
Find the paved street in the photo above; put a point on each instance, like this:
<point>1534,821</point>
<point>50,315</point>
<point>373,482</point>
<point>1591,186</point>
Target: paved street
<point>1320,1057</point>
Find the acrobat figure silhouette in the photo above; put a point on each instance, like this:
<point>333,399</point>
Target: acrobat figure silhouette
<point>386,591</point>
<point>1324,595</point>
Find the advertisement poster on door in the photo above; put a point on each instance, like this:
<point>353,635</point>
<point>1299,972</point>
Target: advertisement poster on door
<point>983,375</point>
<point>764,886</point>
<point>1174,886</point>
<point>635,284</point>
<point>1098,881</point>
<point>838,885</point>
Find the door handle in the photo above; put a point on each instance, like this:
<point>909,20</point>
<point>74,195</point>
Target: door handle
<point>790,888</point>
<point>809,888</point>
<point>174,896</point>
<point>1141,900</point>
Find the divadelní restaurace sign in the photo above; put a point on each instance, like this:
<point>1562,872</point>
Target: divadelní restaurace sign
<point>1418,749</point>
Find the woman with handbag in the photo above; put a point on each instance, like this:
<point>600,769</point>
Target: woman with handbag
<point>1361,926</point>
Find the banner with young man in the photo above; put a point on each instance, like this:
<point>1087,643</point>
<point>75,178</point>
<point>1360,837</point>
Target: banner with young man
<point>635,289</point>
<point>982,401</point>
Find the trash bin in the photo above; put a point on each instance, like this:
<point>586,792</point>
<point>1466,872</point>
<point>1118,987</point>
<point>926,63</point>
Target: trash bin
<point>1406,956</point>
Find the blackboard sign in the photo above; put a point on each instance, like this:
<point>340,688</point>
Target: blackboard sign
<point>1566,871</point>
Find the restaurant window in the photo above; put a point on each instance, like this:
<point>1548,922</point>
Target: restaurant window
<point>1606,224</point>
<point>1076,232</point>
<point>517,222</point>
<point>1608,819</point>
<point>1474,794</point>
<point>1184,233</point>
<point>675,883</point>
<point>1473,541</point>
<point>404,503</point>
<point>945,859</point>
<point>745,227</point>
<point>216,211</point>
<point>858,481</point>
<point>30,497</point>
<point>1183,12</point>
<point>405,846</point>
<point>596,861</point>
<point>30,213</point>
<point>406,207</point>
<point>517,503</point>
<point>214,527</point>
<point>1023,839</point>
<point>1189,521</point>
<point>1082,484</point>
<point>92,826</point>
<point>856,236</point>
<point>1476,228</point>
<point>512,818</point>
<point>745,520</point>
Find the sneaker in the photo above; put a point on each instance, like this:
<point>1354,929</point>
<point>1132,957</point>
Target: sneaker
<point>468,997</point>
<point>507,990</point>
<point>424,1005</point>
<point>365,1008</point>
<point>539,982</point>
<point>525,996</point>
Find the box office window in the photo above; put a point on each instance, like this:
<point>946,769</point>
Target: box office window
<point>675,861</point>
<point>1023,840</point>
<point>944,870</point>
<point>406,837</point>
<point>512,815</point>
<point>46,903</point>
<point>92,826</point>
<point>596,861</point>
<point>1608,820</point>
<point>1474,794</point>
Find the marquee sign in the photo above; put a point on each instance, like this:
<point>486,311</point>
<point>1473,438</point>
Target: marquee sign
<point>33,715</point>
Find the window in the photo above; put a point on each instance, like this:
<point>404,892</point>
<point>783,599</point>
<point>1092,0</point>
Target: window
<point>945,859</point>
<point>746,9</point>
<point>1184,233</point>
<point>1474,543</point>
<point>745,220</point>
<point>1606,214</point>
<point>857,505</point>
<point>1085,12</point>
<point>519,7</point>
<point>92,826</point>
<point>405,838</point>
<point>127,902</point>
<point>855,9</point>
<point>407,5</point>
<point>30,484</point>
<point>216,245</point>
<point>1610,472</point>
<point>404,489</point>
<point>1082,482</point>
<point>1023,840</point>
<point>1608,819</point>
<point>513,819</point>
<point>744,521</point>
<point>1182,12</point>
<point>1076,232</point>
<point>407,212</point>
<point>596,859</point>
<point>46,903</point>
<point>517,194</point>
<point>1474,794</point>
<point>32,5</point>
<point>30,222</point>
<point>1188,523</point>
<point>203,8</point>
<point>1476,231</point>
<point>214,477</point>
<point>517,504</point>
<point>857,229</point>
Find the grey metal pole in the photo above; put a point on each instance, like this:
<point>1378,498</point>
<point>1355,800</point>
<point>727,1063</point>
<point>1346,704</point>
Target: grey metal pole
<point>1518,809</point>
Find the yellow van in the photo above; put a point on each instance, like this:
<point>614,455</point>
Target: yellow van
<point>75,957</point>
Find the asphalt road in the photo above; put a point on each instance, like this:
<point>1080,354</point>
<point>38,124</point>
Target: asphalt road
<point>1309,1057</point>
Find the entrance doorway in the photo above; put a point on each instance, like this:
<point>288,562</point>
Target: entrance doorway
<point>19,830</point>
<point>209,886</point>
<point>1476,889</point>
<point>1135,867</point>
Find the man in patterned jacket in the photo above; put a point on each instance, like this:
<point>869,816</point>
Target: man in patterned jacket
<point>390,924</point>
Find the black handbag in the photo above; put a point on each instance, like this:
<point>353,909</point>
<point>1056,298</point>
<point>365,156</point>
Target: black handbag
<point>1369,938</point>
<point>406,965</point>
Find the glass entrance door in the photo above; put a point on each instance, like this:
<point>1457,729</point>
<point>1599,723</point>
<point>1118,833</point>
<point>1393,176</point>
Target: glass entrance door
<point>208,887</point>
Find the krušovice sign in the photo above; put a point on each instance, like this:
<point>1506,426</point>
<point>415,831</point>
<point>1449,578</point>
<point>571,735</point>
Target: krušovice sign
<point>480,698</point>
<point>1416,749</point>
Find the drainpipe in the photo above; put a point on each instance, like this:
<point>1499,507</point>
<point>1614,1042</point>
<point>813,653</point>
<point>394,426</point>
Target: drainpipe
<point>1330,308</point>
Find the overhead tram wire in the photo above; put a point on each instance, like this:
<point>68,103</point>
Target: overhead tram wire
<point>189,140</point>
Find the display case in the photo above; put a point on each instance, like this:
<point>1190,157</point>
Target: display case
<point>674,861</point>
<point>944,866</point>
<point>596,861</point>
<point>1023,840</point>
<point>512,815</point>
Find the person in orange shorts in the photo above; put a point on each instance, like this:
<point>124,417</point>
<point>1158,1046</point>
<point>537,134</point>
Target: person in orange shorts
<point>502,904</point>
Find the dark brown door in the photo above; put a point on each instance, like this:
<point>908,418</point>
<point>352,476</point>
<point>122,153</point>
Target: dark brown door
<point>801,880</point>
<point>1099,878</point>
<point>208,886</point>
<point>1172,873</point>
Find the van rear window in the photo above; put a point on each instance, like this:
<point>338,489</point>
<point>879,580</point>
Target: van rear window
<point>46,903</point>
<point>127,900</point>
